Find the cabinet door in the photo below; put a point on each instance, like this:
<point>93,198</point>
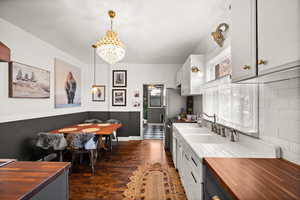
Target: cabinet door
<point>183,81</point>
<point>278,34</point>
<point>174,153</point>
<point>186,79</point>
<point>243,42</point>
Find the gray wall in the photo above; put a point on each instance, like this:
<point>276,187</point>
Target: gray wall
<point>154,115</point>
<point>16,137</point>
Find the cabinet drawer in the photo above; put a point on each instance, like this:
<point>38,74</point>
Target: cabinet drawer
<point>196,164</point>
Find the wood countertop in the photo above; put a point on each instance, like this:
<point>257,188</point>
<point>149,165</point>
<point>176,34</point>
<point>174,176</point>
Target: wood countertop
<point>257,178</point>
<point>22,180</point>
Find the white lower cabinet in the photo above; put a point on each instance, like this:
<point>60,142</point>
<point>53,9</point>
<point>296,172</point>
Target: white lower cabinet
<point>174,152</point>
<point>190,170</point>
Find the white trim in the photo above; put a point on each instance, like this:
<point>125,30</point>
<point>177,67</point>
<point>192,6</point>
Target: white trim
<point>130,138</point>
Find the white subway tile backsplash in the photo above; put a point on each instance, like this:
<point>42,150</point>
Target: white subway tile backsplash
<point>295,147</point>
<point>294,103</point>
<point>279,116</point>
<point>291,92</point>
<point>294,83</point>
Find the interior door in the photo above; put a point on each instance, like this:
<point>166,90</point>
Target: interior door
<point>278,34</point>
<point>243,42</point>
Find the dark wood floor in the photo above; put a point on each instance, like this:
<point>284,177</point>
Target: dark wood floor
<point>113,170</point>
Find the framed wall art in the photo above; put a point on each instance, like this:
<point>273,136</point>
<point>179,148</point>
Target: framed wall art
<point>119,78</point>
<point>67,85</point>
<point>98,93</point>
<point>118,97</point>
<point>26,81</point>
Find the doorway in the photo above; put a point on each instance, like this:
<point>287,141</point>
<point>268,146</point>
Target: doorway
<point>153,111</point>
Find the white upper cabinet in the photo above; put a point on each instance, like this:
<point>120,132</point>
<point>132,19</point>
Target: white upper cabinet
<point>265,37</point>
<point>191,81</point>
<point>243,42</point>
<point>278,34</point>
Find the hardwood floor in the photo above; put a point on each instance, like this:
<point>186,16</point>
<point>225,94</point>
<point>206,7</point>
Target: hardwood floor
<point>112,171</point>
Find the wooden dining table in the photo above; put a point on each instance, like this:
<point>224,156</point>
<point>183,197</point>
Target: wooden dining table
<point>98,129</point>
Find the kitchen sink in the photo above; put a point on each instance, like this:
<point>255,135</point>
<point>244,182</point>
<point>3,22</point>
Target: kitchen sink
<point>187,125</point>
<point>196,138</point>
<point>195,130</point>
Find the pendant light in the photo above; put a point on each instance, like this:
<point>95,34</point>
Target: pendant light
<point>110,48</point>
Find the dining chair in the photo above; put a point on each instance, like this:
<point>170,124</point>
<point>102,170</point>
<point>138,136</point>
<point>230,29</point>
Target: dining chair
<point>115,133</point>
<point>94,121</point>
<point>52,142</point>
<point>83,143</point>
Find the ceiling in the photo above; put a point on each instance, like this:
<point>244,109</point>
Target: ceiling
<point>154,31</point>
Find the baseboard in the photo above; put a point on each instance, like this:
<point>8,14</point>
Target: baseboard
<point>130,138</point>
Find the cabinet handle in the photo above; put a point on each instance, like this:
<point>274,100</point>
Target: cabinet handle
<point>186,157</point>
<point>262,62</point>
<point>194,161</point>
<point>194,177</point>
<point>246,67</point>
<point>215,198</point>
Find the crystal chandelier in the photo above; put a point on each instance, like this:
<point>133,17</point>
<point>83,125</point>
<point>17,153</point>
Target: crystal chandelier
<point>110,48</point>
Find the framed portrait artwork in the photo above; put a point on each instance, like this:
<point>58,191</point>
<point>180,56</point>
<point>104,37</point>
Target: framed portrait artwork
<point>119,78</point>
<point>28,82</point>
<point>98,93</point>
<point>67,84</point>
<point>118,97</point>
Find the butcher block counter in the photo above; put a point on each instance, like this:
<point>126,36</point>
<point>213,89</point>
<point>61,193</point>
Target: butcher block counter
<point>34,180</point>
<point>251,179</point>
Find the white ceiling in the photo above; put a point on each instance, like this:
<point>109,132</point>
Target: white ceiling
<point>154,31</point>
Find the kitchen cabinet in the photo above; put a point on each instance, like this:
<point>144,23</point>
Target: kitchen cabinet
<point>212,187</point>
<point>35,180</point>
<point>191,81</point>
<point>278,35</point>
<point>265,37</point>
<point>246,178</point>
<point>174,149</point>
<point>243,42</point>
<point>189,168</point>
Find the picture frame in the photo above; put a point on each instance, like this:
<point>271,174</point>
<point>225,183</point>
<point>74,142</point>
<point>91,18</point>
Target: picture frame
<point>26,81</point>
<point>119,78</point>
<point>67,84</point>
<point>98,93</point>
<point>119,97</point>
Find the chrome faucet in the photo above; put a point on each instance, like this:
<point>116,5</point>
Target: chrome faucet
<point>223,132</point>
<point>214,124</point>
<point>234,136</point>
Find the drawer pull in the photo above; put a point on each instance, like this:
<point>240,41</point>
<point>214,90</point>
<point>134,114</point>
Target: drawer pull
<point>215,198</point>
<point>246,67</point>
<point>194,162</point>
<point>186,157</point>
<point>193,177</point>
